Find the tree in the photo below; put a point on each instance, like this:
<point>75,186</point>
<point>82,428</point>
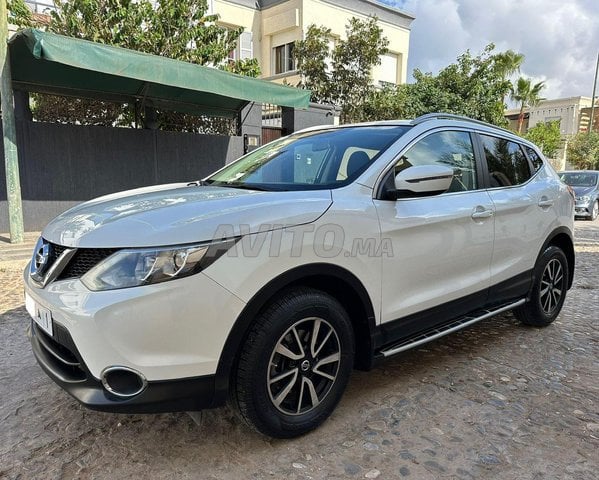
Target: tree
<point>583,150</point>
<point>353,61</point>
<point>349,81</point>
<point>169,28</point>
<point>311,56</point>
<point>527,95</point>
<point>547,136</point>
<point>473,86</point>
<point>507,63</point>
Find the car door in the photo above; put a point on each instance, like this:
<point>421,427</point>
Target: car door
<point>442,244</point>
<point>524,214</point>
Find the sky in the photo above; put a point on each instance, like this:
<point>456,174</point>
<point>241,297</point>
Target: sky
<point>559,38</point>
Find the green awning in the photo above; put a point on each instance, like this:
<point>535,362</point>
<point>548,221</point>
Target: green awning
<point>48,63</point>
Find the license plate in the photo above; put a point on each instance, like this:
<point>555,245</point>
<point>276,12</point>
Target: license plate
<point>41,315</point>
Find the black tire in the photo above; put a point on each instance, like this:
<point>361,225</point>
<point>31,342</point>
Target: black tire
<point>550,284</point>
<point>268,397</point>
<point>594,211</point>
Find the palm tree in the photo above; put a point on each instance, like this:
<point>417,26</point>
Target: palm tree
<point>508,63</point>
<point>527,95</point>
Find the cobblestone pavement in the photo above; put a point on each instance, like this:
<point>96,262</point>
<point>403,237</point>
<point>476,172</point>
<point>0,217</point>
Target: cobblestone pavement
<point>497,400</point>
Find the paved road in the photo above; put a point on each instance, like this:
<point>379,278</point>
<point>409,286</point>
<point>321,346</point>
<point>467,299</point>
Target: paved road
<point>497,400</point>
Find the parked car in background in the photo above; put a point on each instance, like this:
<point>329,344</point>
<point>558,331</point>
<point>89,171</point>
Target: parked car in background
<point>267,282</point>
<point>586,187</point>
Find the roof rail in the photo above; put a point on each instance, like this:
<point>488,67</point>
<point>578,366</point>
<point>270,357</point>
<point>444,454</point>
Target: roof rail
<point>452,116</point>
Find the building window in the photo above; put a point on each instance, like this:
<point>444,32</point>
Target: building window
<point>283,58</point>
<point>387,71</point>
<point>244,48</point>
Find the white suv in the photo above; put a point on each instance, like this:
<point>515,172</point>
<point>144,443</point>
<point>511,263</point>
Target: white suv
<point>268,281</point>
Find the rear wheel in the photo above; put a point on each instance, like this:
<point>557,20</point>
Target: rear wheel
<point>295,364</point>
<point>548,291</point>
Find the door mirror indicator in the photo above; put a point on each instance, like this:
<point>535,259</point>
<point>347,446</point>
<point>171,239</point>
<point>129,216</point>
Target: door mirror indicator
<point>423,180</point>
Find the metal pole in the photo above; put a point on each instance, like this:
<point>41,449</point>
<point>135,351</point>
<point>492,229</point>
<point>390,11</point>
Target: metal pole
<point>593,97</point>
<point>9,133</point>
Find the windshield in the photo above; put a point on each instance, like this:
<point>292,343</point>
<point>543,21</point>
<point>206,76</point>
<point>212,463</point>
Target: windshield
<point>579,179</point>
<point>311,160</point>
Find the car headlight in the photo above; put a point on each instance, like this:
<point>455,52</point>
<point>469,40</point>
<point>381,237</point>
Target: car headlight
<point>145,266</point>
<point>584,199</point>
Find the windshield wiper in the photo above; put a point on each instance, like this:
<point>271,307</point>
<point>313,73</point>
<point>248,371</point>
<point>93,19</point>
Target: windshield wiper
<point>245,186</point>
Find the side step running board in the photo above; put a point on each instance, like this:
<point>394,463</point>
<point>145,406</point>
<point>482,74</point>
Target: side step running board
<point>454,326</point>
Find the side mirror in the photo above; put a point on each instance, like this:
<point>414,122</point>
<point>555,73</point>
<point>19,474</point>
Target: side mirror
<point>423,180</point>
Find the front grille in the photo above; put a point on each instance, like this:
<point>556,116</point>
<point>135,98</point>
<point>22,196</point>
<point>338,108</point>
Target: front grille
<point>59,353</point>
<point>55,252</point>
<point>81,263</point>
<point>84,260</point>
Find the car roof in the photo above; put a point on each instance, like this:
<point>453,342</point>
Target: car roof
<point>437,119</point>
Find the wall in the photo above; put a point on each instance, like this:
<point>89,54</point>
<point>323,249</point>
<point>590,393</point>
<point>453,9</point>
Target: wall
<point>62,165</point>
<point>294,120</point>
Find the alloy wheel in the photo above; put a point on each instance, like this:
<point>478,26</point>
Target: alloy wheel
<point>551,285</point>
<point>303,366</point>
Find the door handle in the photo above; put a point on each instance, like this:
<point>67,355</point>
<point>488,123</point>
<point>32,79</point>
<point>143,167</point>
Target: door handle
<point>481,212</point>
<point>545,202</point>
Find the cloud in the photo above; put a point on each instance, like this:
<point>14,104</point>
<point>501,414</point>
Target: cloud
<point>559,39</point>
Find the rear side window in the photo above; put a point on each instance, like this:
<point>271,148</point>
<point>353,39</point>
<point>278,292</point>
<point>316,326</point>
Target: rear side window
<point>537,163</point>
<point>506,162</point>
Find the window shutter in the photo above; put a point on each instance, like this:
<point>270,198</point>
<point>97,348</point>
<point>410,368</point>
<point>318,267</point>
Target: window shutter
<point>246,45</point>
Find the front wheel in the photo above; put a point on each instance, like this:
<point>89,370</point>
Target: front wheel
<point>548,291</point>
<point>595,210</point>
<point>295,364</point>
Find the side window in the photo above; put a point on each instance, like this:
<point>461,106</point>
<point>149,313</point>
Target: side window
<point>506,162</point>
<point>451,149</point>
<point>537,162</point>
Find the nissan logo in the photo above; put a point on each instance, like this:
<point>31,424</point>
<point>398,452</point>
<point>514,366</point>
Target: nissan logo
<point>41,257</point>
<point>40,260</point>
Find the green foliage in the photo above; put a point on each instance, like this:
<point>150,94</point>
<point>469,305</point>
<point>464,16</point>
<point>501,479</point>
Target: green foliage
<point>547,136</point>
<point>349,80</point>
<point>387,103</point>
<point>507,63</point>
<point>311,61</point>
<point>353,60</point>
<point>473,86</point>
<point>19,14</point>
<point>248,67</point>
<point>583,150</point>
<point>169,28</point>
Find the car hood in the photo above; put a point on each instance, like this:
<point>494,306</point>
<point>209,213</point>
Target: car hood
<point>177,214</point>
<point>581,191</point>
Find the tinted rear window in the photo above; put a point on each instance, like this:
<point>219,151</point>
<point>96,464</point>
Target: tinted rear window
<point>506,162</point>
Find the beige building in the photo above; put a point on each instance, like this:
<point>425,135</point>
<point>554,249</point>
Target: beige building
<point>272,26</point>
<point>567,110</point>
<point>572,112</point>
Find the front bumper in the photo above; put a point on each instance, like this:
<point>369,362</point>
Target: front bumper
<point>171,333</point>
<point>61,361</point>
<point>582,212</point>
